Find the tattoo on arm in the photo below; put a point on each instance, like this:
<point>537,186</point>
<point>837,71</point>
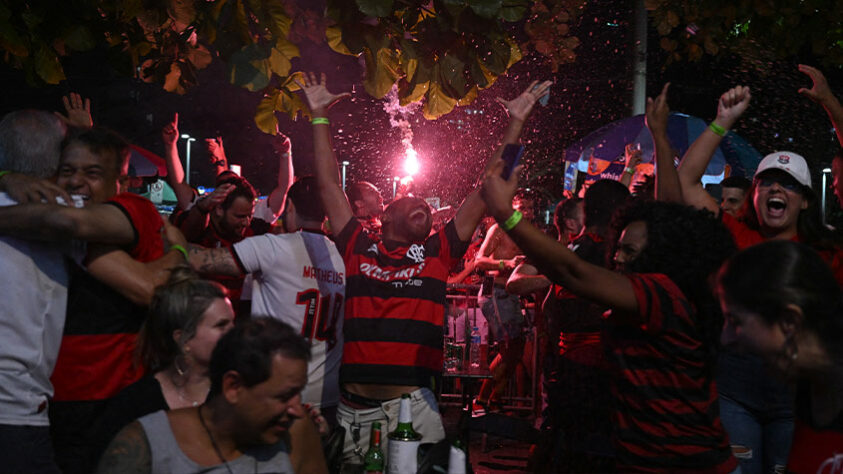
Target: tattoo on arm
<point>213,261</point>
<point>128,453</point>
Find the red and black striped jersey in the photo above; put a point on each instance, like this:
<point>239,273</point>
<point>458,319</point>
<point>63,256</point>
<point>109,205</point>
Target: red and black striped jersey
<point>96,359</point>
<point>395,306</point>
<point>667,410</point>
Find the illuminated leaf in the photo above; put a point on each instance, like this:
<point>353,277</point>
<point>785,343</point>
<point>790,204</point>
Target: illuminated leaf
<point>280,23</point>
<point>515,53</point>
<point>437,102</point>
<point>183,12</point>
<point>249,67</point>
<point>414,89</point>
<point>376,8</point>
<point>482,76</point>
<point>47,65</point>
<point>280,56</point>
<point>469,97</point>
<point>265,117</point>
<point>171,81</point>
<point>334,36</point>
<point>485,8</point>
<point>290,82</point>
<point>199,56</point>
<point>381,72</point>
<point>292,104</point>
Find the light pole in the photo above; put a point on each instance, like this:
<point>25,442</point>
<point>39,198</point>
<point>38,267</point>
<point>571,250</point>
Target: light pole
<point>826,172</point>
<point>344,166</point>
<point>187,155</point>
<point>395,181</point>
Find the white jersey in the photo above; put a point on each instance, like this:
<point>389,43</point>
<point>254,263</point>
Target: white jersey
<point>299,278</point>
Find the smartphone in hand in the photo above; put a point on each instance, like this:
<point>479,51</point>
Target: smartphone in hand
<point>511,156</point>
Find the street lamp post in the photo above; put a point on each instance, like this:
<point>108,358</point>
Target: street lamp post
<point>187,156</point>
<point>395,181</point>
<point>344,166</point>
<point>826,172</point>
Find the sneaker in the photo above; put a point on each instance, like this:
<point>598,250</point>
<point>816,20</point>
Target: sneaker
<point>477,409</point>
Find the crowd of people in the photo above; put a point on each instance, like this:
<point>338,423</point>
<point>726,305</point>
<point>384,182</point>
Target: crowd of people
<point>679,332</point>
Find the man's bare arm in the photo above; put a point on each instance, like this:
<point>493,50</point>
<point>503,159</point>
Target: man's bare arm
<point>217,261</point>
<point>285,174</point>
<point>102,223</point>
<point>128,453</point>
<point>526,280</point>
<point>133,279</point>
<point>333,198</point>
<point>821,93</point>
<point>175,172</point>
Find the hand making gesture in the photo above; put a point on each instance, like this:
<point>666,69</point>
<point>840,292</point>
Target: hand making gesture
<point>657,113</point>
<point>733,103</point>
<point>170,132</point>
<point>78,111</point>
<point>520,107</point>
<point>319,99</point>
<point>820,92</point>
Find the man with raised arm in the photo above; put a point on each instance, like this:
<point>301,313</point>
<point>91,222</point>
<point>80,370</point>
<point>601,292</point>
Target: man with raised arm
<point>395,288</point>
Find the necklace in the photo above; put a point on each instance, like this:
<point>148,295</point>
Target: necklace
<point>213,442</point>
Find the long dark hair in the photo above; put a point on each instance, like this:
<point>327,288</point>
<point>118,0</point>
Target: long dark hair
<point>767,277</point>
<point>686,244</point>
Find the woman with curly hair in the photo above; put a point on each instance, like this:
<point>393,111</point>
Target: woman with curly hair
<point>662,329</point>
<point>781,300</point>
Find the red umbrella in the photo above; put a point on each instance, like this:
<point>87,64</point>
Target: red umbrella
<point>143,162</point>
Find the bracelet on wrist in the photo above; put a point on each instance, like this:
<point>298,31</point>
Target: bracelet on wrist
<point>320,121</point>
<point>512,221</point>
<point>717,129</point>
<point>629,170</point>
<point>180,249</point>
<point>501,265</point>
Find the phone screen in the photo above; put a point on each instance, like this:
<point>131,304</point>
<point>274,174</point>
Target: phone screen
<point>511,155</point>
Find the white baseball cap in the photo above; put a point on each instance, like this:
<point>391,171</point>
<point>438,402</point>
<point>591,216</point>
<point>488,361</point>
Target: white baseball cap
<point>789,162</point>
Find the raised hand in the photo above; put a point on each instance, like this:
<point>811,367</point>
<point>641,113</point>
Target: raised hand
<point>170,132</point>
<point>632,156</point>
<point>520,107</point>
<point>820,92</point>
<point>657,113</point>
<point>216,151</point>
<point>319,99</point>
<point>498,192</point>
<point>733,103</point>
<point>209,203</point>
<point>78,111</point>
<point>284,143</point>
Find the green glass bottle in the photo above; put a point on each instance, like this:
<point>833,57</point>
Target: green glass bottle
<point>404,441</point>
<point>374,462</point>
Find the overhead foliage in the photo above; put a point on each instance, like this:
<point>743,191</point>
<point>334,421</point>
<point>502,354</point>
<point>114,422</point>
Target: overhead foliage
<point>690,29</point>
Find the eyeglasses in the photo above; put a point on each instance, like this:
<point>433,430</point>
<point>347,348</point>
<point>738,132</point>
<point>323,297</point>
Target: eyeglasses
<point>788,184</point>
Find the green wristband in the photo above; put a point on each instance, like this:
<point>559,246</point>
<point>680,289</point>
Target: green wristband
<point>180,249</point>
<point>513,221</point>
<point>320,121</point>
<point>717,129</point>
<point>4,173</point>
<point>629,170</point>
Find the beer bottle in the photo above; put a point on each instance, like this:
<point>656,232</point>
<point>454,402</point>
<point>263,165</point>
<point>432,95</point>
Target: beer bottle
<point>373,462</point>
<point>404,441</point>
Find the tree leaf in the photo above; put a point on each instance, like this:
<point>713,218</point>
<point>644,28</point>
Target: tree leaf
<point>334,36</point>
<point>469,97</point>
<point>513,11</point>
<point>486,8</point>
<point>292,104</point>
<point>249,67</point>
<point>482,76</point>
<point>438,103</point>
<point>79,38</point>
<point>514,53</point>
<point>381,71</point>
<point>453,74</point>
<point>280,23</point>
<point>265,117</point>
<point>290,82</point>
<point>171,81</point>
<point>375,8</point>
<point>47,65</point>
<point>280,56</point>
<point>415,88</point>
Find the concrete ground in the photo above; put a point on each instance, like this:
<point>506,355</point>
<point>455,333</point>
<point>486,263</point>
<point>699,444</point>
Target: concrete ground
<point>498,442</point>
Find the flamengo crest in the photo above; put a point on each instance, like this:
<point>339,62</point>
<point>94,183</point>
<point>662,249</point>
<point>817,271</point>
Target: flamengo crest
<point>416,253</point>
